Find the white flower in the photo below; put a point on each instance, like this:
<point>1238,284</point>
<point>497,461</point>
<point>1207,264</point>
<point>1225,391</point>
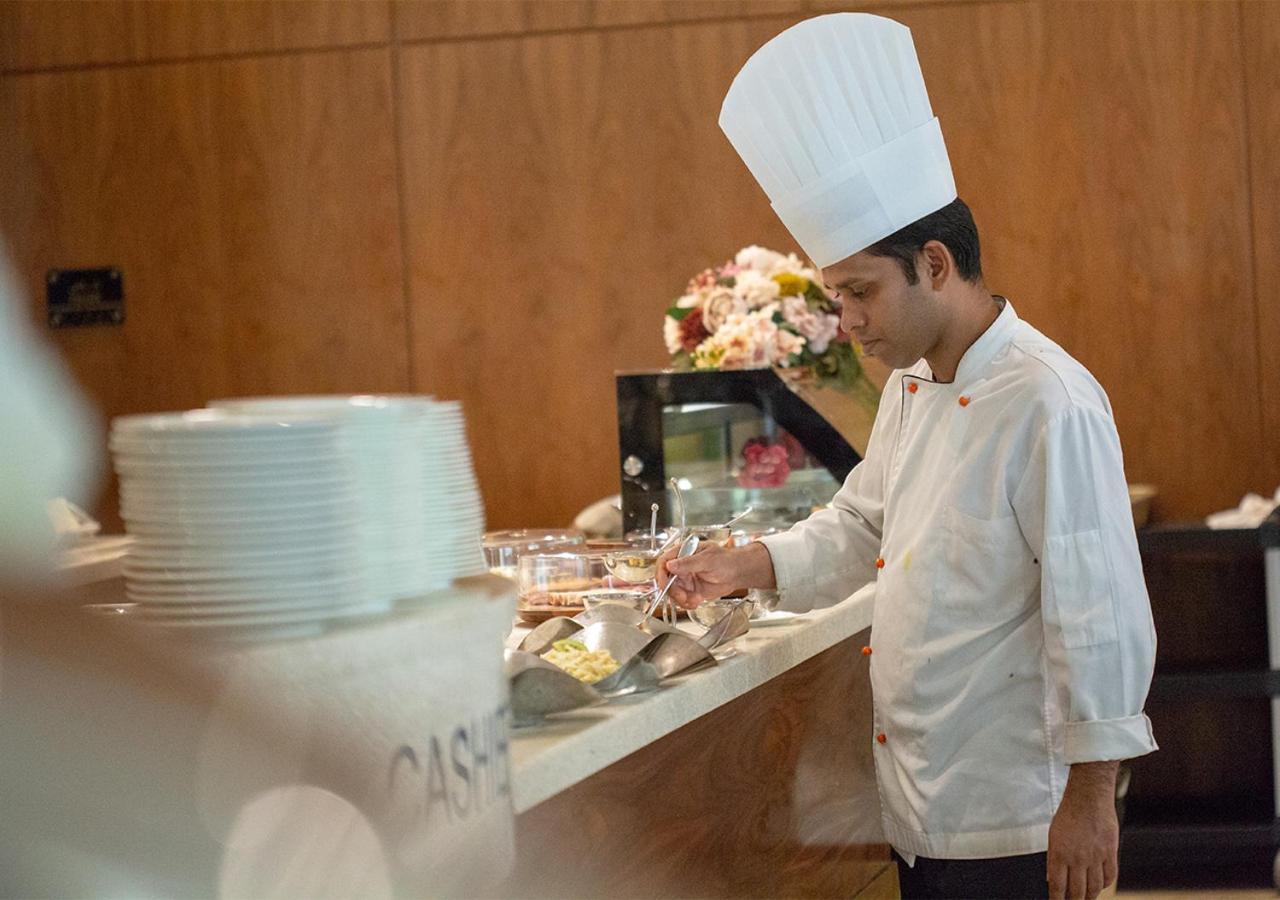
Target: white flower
<point>758,259</point>
<point>671,335</point>
<point>793,265</point>
<point>818,328</point>
<point>720,303</point>
<point>755,289</point>
<point>787,344</point>
<point>688,301</point>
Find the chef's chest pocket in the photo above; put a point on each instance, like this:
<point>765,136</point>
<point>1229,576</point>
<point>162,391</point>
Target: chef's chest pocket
<point>988,571</point>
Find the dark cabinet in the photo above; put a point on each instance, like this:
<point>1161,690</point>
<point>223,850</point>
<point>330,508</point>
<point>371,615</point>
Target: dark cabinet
<point>1203,810</point>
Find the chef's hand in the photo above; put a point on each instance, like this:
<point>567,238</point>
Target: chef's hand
<point>1084,836</point>
<point>714,571</point>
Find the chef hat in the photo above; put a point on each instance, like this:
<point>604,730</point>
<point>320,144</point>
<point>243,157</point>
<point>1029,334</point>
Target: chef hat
<point>833,120</point>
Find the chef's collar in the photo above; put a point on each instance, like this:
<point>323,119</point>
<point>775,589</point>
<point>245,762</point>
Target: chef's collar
<point>982,351</point>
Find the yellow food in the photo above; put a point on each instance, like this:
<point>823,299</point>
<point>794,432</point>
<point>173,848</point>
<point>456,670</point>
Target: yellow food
<point>588,666</point>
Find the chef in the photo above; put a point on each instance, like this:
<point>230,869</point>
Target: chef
<point>1012,642</point>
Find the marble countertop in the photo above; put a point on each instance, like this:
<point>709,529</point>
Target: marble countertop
<point>550,758</point>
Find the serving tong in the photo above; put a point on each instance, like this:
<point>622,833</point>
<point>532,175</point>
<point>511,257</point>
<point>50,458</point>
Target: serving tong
<point>687,537</point>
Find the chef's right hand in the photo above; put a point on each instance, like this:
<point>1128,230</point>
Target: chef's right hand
<point>714,571</point>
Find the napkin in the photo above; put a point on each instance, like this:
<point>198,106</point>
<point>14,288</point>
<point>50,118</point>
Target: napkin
<point>1252,512</point>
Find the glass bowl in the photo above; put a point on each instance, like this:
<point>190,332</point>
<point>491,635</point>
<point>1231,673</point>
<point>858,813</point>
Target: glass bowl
<point>633,565</point>
<point>503,549</point>
<point>630,598</point>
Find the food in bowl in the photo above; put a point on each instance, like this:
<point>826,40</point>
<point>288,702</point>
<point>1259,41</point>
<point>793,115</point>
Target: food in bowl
<point>632,566</point>
<point>584,664</point>
<point>557,579</point>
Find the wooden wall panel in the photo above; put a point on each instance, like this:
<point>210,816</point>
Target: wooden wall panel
<point>429,19</point>
<point>1102,146</point>
<point>1111,204</point>
<point>1262,79</point>
<point>45,33</point>
<point>252,206</point>
<point>433,19</point>
<point>560,192</point>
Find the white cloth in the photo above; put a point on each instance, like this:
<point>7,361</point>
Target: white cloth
<point>1012,634</point>
<point>1252,512</point>
<point>833,119</point>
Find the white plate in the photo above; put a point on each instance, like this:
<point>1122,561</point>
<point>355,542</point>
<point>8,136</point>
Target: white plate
<point>325,508</point>
<point>175,600</point>
<point>150,554</point>
<point>234,589</point>
<point>197,607</point>
<point>200,424</point>
<point>263,465</point>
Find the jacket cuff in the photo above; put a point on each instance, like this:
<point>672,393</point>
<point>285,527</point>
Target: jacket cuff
<point>1108,739</point>
<point>795,580</point>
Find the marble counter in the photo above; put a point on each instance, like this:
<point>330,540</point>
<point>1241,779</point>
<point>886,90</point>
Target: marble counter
<point>549,759</point>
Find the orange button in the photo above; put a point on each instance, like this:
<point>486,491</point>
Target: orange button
<point>912,387</point>
<point>964,401</point>
<point>881,738</point>
<point>880,563</point>
<point>866,651</point>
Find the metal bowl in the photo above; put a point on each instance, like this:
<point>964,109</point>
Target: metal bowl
<point>712,611</point>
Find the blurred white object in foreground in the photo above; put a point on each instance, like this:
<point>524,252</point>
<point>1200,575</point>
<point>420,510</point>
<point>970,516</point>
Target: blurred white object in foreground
<point>47,443</point>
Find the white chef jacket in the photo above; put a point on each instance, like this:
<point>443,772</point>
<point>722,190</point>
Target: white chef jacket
<point>1012,634</point>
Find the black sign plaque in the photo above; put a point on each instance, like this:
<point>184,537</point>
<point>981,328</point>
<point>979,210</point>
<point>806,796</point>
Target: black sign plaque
<point>85,297</point>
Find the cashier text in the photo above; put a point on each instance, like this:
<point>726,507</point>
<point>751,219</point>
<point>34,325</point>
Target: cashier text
<point>460,773</point>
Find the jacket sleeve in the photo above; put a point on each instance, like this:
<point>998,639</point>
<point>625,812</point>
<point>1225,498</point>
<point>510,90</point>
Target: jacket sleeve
<point>831,554</point>
<point>1073,507</point>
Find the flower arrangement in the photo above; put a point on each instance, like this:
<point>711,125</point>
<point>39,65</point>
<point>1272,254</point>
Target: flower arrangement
<point>757,310</point>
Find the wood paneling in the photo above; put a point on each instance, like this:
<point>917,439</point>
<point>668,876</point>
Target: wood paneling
<point>427,19</point>
<point>771,795</point>
<point>1262,79</point>
<point>560,192</point>
<point>252,206</point>
<point>560,188</point>
<point>44,33</point>
<point>1102,147</point>
<point>434,19</point>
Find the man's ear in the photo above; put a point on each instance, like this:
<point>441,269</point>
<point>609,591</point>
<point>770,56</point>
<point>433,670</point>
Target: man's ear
<point>937,265</point>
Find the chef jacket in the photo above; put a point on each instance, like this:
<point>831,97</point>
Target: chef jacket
<point>1012,634</point>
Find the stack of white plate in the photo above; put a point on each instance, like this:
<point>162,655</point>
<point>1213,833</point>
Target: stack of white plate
<point>421,516</point>
<point>239,521</point>
<point>454,505</point>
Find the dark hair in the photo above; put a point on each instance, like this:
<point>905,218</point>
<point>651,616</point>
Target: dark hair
<point>952,225</point>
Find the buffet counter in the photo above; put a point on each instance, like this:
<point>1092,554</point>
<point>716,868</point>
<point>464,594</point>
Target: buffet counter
<point>753,778</point>
<point>547,759</point>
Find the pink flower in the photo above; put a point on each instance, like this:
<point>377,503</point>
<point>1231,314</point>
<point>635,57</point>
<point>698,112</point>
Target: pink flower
<point>766,465</point>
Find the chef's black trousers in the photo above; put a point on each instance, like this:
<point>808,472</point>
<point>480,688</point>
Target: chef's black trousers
<point>1012,877</point>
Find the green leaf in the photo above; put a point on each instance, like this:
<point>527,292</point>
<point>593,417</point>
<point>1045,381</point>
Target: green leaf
<point>679,312</point>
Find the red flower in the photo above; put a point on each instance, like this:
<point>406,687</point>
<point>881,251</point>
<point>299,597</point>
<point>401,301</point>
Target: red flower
<point>795,451</point>
<point>766,465</point>
<point>692,331</point>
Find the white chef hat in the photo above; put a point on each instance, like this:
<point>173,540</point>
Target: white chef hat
<point>833,120</point>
